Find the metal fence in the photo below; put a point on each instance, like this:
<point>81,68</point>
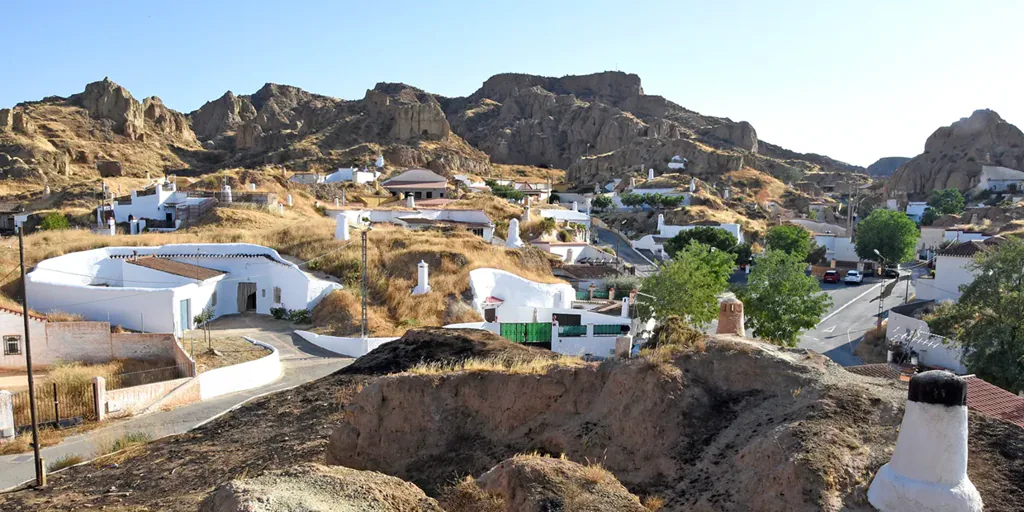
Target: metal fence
<point>534,332</point>
<point>127,380</point>
<point>55,403</point>
<point>599,294</point>
<point>572,331</point>
<point>582,295</point>
<point>608,330</point>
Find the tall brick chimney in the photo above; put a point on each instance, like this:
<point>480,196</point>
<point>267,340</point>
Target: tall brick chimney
<point>730,317</point>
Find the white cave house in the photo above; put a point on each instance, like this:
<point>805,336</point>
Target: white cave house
<point>162,289</point>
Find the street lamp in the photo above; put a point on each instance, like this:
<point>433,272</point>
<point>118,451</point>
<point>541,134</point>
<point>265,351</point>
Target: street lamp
<point>878,326</point>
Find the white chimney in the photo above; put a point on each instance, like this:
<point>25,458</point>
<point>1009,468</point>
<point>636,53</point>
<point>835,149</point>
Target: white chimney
<point>693,185</point>
<point>316,204</point>
<point>725,193</point>
<point>252,186</point>
<point>625,307</point>
<point>226,194</point>
<point>661,223</point>
<point>111,226</point>
<point>290,200</point>
<point>341,228</point>
<point>133,227</point>
<point>344,201</point>
<point>336,202</point>
<point>46,191</point>
<point>587,203</point>
<point>928,469</point>
<point>99,216</point>
<point>575,206</point>
<point>632,182</point>
<point>513,240</point>
<point>650,173</point>
<point>423,285</point>
<point>280,208</point>
<point>526,213</point>
<point>147,176</point>
<point>410,201</point>
<point>380,161</point>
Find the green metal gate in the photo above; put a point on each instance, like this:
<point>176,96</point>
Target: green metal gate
<point>534,332</point>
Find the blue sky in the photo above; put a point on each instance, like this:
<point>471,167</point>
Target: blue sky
<point>853,80</point>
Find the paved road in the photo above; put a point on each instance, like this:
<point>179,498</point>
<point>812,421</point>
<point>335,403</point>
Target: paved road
<point>854,312</point>
<point>622,247</point>
<point>301,362</point>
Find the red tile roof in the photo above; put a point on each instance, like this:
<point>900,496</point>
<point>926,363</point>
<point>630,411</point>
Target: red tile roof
<point>971,247</point>
<point>994,402</point>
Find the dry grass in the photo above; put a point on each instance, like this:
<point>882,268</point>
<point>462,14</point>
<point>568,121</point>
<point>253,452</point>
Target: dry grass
<point>513,365</point>
<point>61,316</point>
<point>64,461</point>
<point>466,496</point>
<point>527,173</point>
<point>23,443</point>
<point>671,339</point>
<point>122,448</point>
<point>232,350</point>
<point>873,348</point>
<point>653,503</point>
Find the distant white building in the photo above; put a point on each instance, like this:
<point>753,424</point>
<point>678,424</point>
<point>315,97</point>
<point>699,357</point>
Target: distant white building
<point>352,174</point>
<point>677,162</point>
<point>161,205</point>
<point>656,243</point>
<point>476,221</point>
<point>915,209</point>
<point>162,289</point>
<point>999,179</point>
<point>564,216</point>
<point>534,192</point>
<point>573,252</point>
<point>472,184</point>
<point>952,270</point>
<point>839,248</point>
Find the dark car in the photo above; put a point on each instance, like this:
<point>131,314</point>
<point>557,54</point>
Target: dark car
<point>831,276</point>
<point>891,271</point>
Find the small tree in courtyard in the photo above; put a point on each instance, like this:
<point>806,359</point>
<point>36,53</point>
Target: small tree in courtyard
<point>891,233</point>
<point>708,235</point>
<point>688,285</point>
<point>780,300</point>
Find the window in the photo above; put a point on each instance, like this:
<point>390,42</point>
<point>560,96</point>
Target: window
<point>430,195</point>
<point>277,295</point>
<point>478,232</point>
<point>12,345</point>
<point>418,195</point>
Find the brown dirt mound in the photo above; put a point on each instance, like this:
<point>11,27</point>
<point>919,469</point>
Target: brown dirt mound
<point>316,488</point>
<point>533,483</point>
<point>742,426</point>
<point>437,344</point>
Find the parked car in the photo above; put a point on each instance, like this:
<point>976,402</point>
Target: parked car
<point>831,276</point>
<point>854,277</point>
<point>891,271</point>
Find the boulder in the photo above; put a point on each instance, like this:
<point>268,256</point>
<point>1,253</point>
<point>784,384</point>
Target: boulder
<point>21,123</point>
<point>109,168</point>
<point>741,135</point>
<point>533,483</point>
<point>107,100</point>
<point>315,488</point>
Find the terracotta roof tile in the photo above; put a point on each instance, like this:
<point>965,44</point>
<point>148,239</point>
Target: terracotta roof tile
<point>971,247</point>
<point>994,402</point>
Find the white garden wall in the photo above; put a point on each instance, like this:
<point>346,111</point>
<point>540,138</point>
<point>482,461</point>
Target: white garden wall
<point>352,347</point>
<point>239,377</point>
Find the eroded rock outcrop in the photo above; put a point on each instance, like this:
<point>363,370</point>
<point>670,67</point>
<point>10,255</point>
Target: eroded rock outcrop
<point>221,116</point>
<point>954,154</point>
<point>315,488</point>
<point>107,100</point>
<point>696,431</point>
<point>406,112</point>
<point>168,122</point>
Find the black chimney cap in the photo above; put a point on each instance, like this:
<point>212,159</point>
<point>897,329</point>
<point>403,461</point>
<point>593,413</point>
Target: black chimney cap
<point>938,387</point>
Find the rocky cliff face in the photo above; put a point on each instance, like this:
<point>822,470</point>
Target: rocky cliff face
<point>107,100</point>
<point>406,112</point>
<point>954,154</point>
<point>887,165</point>
<point>221,116</point>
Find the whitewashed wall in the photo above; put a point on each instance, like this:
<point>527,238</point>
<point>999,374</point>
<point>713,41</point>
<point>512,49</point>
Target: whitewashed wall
<point>239,377</point>
<point>838,248</point>
<point>346,346</point>
<point>931,349</point>
<point>950,273</point>
<point>517,291</point>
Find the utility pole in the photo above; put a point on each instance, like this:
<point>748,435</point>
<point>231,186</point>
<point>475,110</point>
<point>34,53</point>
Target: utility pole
<point>362,329</point>
<point>40,474</point>
<point>881,287</point>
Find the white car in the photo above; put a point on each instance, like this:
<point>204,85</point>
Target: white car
<point>854,277</point>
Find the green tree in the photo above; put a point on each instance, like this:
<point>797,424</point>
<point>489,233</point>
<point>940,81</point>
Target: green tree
<point>889,232</point>
<point>794,240</point>
<point>929,217</point>
<point>54,221</point>
<point>687,286</point>
<point>601,202</point>
<point>744,253</point>
<point>504,191</point>
<point>653,201</point>
<point>947,201</point>
<point>817,255</point>
<point>672,201</point>
<point>988,319</point>
<point>708,235</point>
<point>632,200</point>
<point>780,300</point>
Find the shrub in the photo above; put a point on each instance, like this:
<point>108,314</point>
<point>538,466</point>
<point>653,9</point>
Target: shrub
<point>65,461</point>
<point>623,283</point>
<point>300,316</point>
<point>279,313</point>
<point>54,221</point>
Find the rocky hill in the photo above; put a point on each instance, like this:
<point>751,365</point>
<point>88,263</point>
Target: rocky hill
<point>885,166</point>
<point>954,154</point>
<point>598,126</point>
<point>602,125</point>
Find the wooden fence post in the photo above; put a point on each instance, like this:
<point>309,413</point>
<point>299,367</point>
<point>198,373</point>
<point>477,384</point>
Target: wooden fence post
<point>99,397</point>
<point>56,406</point>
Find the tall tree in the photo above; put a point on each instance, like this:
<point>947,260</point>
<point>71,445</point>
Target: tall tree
<point>988,319</point>
<point>688,285</point>
<point>780,300</point>
<point>891,233</point>
<point>947,201</point>
<point>601,202</point>
<point>708,235</point>
<point>794,240</point>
